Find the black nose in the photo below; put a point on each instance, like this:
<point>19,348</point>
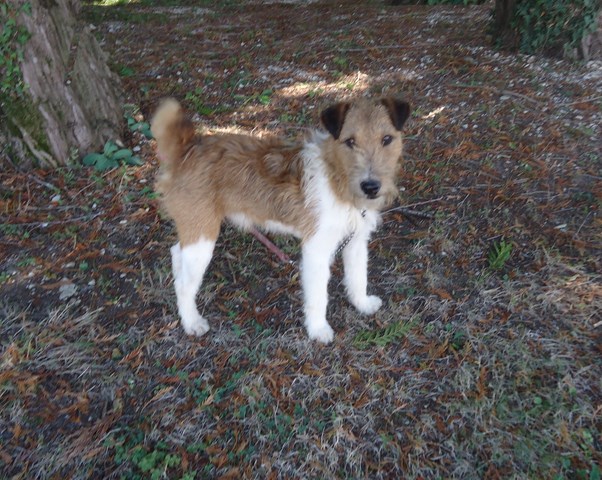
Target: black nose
<point>370,188</point>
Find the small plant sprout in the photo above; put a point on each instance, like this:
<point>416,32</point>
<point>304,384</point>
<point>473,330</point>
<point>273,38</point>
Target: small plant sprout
<point>111,157</point>
<point>264,98</point>
<point>135,120</point>
<point>141,127</point>
<point>499,254</point>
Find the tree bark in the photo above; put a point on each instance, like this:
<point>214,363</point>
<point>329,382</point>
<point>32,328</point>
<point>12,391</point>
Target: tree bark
<point>502,15</point>
<point>72,101</point>
<point>591,44</point>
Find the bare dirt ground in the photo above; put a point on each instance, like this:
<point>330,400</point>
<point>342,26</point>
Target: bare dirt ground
<point>484,361</point>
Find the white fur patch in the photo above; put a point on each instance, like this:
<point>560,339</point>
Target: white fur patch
<point>336,221</point>
<point>189,265</point>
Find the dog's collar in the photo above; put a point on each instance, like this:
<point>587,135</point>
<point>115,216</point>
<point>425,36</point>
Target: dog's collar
<point>348,238</point>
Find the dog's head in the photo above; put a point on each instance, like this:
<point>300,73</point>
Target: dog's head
<point>367,144</point>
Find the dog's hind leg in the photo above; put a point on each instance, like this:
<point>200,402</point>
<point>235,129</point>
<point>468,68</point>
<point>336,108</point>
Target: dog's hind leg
<point>355,263</point>
<point>189,265</point>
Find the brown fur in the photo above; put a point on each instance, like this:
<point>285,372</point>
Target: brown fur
<point>367,124</point>
<point>202,176</point>
<point>205,179</point>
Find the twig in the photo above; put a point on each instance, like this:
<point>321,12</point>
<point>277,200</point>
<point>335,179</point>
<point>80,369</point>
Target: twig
<point>34,177</point>
<point>416,213</point>
<point>86,218</point>
<point>583,100</point>
<point>583,223</point>
<point>498,91</point>
<point>520,95</point>
<point>406,207</point>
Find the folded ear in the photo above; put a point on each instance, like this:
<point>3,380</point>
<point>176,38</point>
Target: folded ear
<point>333,118</point>
<point>399,111</point>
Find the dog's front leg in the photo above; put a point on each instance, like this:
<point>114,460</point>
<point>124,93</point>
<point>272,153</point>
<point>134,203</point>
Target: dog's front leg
<point>355,263</point>
<point>317,254</point>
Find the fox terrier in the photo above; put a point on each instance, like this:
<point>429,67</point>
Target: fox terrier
<point>327,190</point>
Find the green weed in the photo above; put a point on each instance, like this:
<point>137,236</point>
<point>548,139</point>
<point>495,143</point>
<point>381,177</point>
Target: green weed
<point>197,101</point>
<point>341,62</point>
<point>263,98</point>
<point>125,71</point>
<point>111,157</point>
<point>12,40</point>
<point>384,336</point>
<point>140,127</point>
<point>499,255</point>
<point>152,462</point>
<point>26,262</point>
<point>13,230</point>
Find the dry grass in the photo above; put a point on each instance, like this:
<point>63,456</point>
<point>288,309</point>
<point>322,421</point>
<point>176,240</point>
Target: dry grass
<point>478,372</point>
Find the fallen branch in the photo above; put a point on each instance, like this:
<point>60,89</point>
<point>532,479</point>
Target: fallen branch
<point>498,91</point>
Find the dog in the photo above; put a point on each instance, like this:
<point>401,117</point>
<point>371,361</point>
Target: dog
<point>328,191</point>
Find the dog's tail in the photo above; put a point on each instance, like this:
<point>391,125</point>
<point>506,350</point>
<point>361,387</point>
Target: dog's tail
<point>173,132</point>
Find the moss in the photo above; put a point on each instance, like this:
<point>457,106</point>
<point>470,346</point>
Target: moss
<point>21,113</point>
<point>12,39</point>
<point>17,110</point>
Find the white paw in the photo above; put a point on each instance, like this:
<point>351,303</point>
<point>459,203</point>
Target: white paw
<point>195,326</point>
<point>368,304</point>
<point>323,333</point>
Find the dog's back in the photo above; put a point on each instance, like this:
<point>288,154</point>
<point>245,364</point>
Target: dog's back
<point>206,178</point>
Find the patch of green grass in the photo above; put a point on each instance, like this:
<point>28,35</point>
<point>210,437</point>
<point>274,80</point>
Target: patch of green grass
<point>499,255</point>
<point>148,192</point>
<point>26,262</point>
<point>263,98</point>
<point>196,99</point>
<point>300,118</point>
<point>138,460</point>
<point>125,71</point>
<point>13,230</point>
<point>342,63</point>
<point>69,232</point>
<point>206,394</point>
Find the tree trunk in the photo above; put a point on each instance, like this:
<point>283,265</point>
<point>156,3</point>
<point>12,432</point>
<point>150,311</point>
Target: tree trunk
<point>502,15</point>
<point>591,43</point>
<point>71,103</point>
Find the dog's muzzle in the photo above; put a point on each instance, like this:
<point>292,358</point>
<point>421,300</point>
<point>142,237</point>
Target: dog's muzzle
<point>370,188</point>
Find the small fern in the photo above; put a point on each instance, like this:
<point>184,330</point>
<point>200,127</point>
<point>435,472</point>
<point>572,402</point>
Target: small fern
<point>383,336</point>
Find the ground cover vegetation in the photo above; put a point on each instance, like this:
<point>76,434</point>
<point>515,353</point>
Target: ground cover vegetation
<point>484,361</point>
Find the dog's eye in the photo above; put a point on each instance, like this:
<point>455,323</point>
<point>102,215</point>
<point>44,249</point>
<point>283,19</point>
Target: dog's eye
<point>350,142</point>
<point>387,139</point>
